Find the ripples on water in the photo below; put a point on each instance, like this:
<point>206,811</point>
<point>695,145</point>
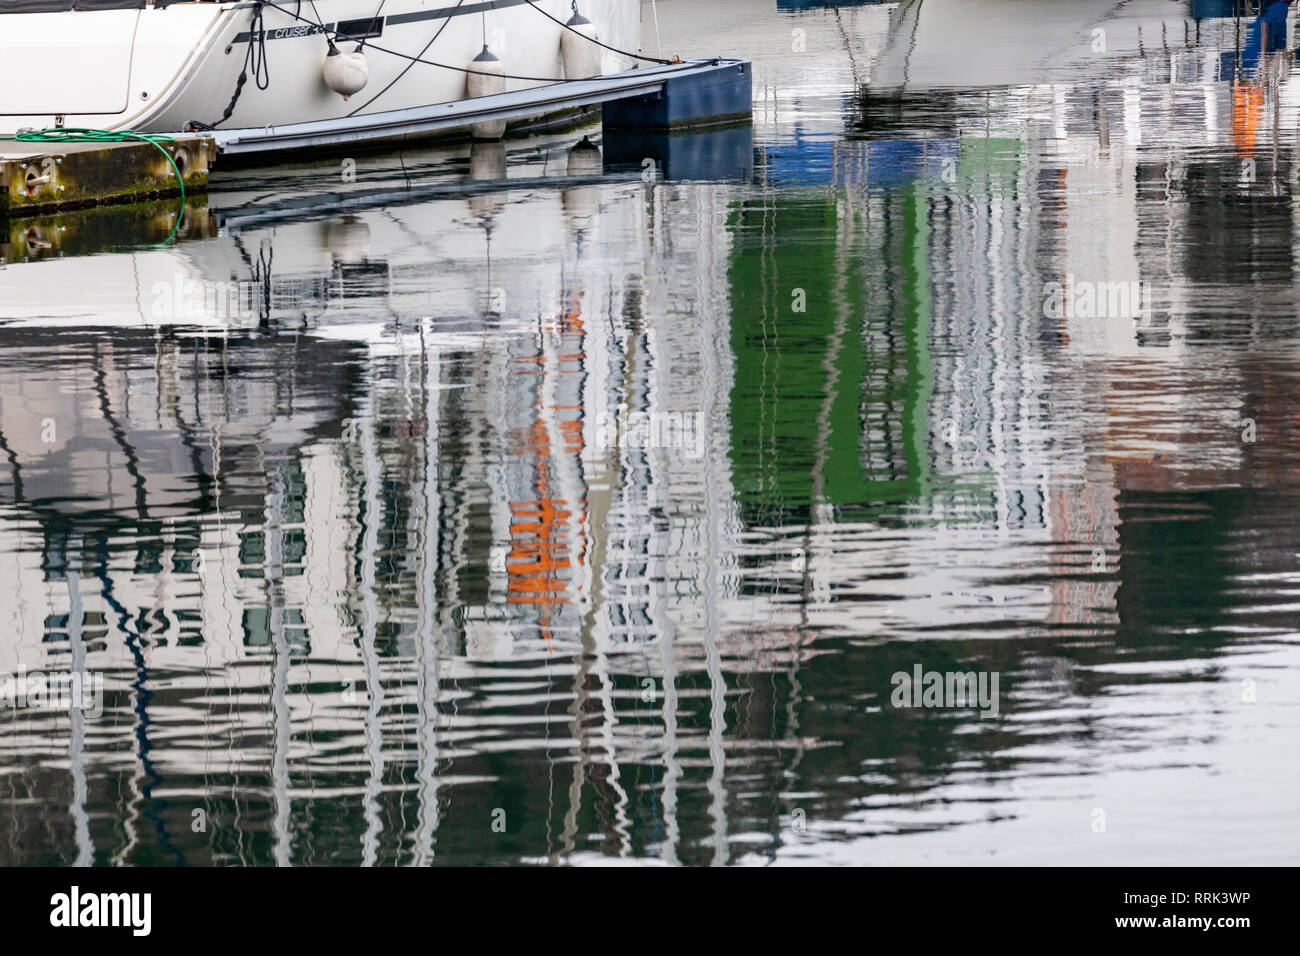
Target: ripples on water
<point>375,564</point>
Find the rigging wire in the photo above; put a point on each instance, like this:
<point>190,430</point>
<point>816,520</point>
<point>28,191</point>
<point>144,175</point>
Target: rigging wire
<point>408,66</point>
<point>406,56</point>
<point>461,69</point>
<point>380,9</point>
<point>635,56</point>
<point>261,71</point>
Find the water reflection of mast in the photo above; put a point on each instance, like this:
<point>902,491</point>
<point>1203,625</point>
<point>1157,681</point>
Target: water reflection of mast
<point>565,459</point>
<point>717,703</point>
<point>712,600</point>
<point>554,451</point>
<point>668,634</point>
<point>214,448</point>
<point>77,736</point>
<point>280,670</point>
<point>426,596</point>
<point>143,782</point>
<point>597,480</point>
<point>369,626</point>
<point>672,766</point>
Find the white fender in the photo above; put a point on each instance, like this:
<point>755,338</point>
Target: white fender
<point>345,73</point>
<point>581,57</point>
<point>488,79</point>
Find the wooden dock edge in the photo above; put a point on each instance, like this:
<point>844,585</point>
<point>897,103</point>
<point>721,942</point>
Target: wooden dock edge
<point>37,179</point>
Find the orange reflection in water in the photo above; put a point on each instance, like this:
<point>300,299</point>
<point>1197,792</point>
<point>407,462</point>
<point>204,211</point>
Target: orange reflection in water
<point>541,528</point>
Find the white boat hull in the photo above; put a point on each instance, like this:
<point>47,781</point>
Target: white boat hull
<point>158,69</point>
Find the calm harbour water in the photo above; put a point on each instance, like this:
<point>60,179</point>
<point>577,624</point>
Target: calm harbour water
<point>588,522</point>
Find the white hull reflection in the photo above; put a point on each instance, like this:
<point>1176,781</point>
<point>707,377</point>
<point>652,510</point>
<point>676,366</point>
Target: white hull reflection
<point>957,45</point>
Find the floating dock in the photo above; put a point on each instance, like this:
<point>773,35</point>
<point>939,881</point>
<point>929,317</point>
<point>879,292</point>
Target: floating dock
<point>40,178</point>
<point>689,95</point>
